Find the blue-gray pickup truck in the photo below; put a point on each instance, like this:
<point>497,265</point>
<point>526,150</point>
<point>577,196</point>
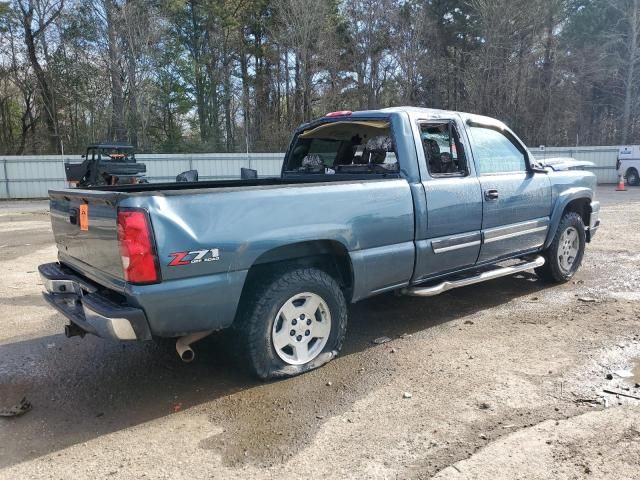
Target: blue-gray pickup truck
<point>415,201</point>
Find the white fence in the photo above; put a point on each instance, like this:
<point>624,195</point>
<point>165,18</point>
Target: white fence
<point>30,176</point>
<point>603,158</point>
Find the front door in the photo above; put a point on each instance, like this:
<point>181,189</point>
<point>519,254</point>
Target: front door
<point>516,202</point>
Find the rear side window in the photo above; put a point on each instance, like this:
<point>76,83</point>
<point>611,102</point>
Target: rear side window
<point>495,152</point>
<point>357,146</point>
<point>443,150</point>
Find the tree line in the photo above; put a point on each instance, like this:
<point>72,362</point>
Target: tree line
<point>237,75</point>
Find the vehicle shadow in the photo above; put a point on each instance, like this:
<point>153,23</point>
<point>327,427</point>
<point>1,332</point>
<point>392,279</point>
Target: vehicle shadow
<point>85,388</point>
<point>392,316</point>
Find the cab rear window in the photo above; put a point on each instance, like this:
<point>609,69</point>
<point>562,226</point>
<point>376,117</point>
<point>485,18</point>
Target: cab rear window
<point>344,147</point>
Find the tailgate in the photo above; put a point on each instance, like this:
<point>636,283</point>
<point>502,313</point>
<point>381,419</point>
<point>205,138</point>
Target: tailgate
<point>85,229</point>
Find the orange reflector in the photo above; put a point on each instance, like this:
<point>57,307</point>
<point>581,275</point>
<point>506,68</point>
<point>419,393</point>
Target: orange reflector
<point>84,217</point>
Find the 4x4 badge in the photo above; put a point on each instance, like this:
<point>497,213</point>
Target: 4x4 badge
<point>195,256</point>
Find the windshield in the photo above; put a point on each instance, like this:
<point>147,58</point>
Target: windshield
<point>358,146</point>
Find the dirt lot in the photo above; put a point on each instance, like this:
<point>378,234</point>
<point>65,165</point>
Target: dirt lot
<point>505,380</point>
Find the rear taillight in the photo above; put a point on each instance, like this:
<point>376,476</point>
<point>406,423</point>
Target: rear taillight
<point>139,260</point>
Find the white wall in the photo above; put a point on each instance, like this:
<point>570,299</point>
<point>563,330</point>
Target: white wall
<point>30,176</point>
<point>604,159</point>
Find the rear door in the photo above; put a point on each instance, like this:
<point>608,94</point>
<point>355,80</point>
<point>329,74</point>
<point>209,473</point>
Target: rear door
<point>516,202</point>
<point>451,240</point>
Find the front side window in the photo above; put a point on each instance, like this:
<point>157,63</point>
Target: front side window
<point>495,152</point>
<point>357,146</point>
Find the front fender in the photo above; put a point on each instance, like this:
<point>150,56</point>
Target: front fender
<point>564,198</point>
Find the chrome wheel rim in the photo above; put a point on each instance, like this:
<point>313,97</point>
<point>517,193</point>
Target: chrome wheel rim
<point>301,328</point>
<point>568,249</point>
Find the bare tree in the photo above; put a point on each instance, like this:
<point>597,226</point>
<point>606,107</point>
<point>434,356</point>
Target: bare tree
<point>630,11</point>
<point>301,24</point>
<point>235,74</point>
<point>37,15</point>
<point>371,43</point>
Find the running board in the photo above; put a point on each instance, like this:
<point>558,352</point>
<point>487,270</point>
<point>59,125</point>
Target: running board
<point>482,277</point>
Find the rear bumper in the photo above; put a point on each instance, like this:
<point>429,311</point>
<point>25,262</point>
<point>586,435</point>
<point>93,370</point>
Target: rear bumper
<point>92,311</point>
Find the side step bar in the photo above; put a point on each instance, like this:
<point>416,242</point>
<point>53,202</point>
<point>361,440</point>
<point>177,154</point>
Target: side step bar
<point>482,277</point>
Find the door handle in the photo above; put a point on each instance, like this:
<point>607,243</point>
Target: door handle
<point>491,194</point>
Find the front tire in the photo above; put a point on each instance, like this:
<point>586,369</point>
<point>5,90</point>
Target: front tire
<point>293,323</point>
<point>564,255</point>
<point>633,178</point>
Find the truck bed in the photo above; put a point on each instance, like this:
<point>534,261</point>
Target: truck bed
<point>226,215</point>
<point>289,179</point>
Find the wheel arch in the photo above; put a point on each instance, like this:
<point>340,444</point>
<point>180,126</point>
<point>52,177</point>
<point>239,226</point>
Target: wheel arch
<point>329,255</point>
<point>581,206</point>
<point>576,200</point>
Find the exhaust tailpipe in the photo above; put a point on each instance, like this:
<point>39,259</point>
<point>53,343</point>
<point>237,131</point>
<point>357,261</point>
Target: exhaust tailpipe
<point>183,345</point>
<point>185,352</point>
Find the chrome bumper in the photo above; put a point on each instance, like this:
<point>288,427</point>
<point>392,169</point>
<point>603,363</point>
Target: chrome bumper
<point>91,311</point>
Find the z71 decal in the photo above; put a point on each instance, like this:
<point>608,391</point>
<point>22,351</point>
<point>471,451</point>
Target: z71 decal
<point>195,256</point>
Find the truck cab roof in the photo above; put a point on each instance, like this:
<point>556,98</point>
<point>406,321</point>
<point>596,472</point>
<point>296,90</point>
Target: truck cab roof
<point>413,112</point>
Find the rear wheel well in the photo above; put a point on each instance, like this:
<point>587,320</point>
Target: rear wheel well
<point>326,255</point>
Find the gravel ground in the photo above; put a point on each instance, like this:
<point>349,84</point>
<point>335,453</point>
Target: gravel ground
<point>505,380</point>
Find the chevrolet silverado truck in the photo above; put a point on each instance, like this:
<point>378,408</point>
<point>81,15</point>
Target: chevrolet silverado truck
<point>406,200</point>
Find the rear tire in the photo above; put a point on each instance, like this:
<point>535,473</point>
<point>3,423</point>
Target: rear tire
<point>564,255</point>
<point>291,324</point>
<point>633,178</point>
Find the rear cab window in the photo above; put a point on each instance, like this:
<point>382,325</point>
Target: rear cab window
<point>344,147</point>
